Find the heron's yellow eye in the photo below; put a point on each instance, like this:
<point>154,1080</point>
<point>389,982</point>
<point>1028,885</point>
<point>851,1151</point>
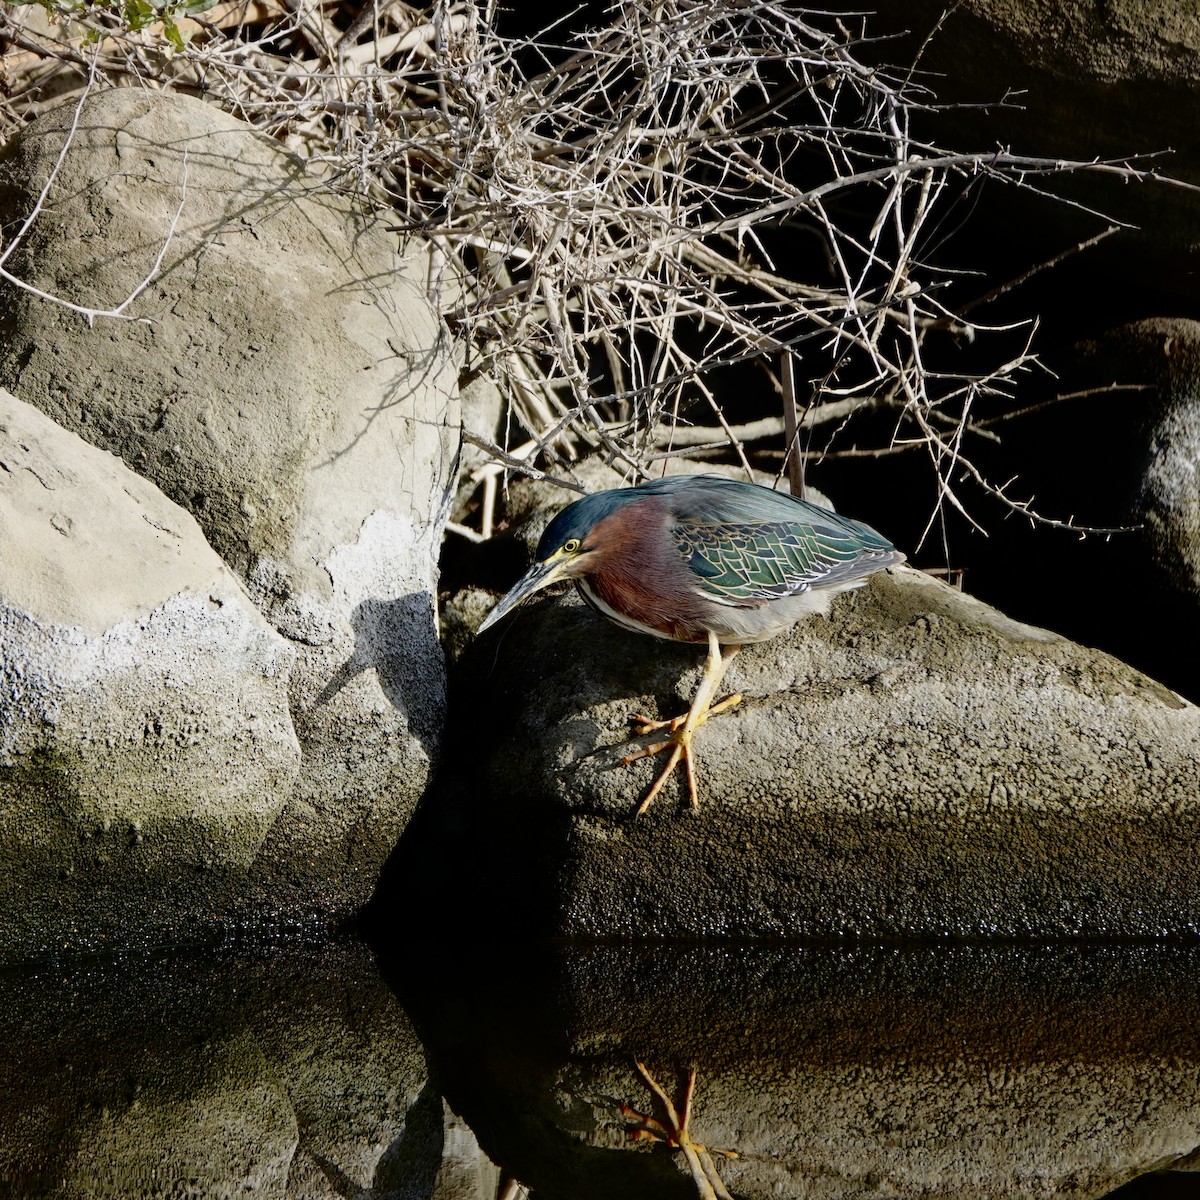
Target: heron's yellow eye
<point>571,545</point>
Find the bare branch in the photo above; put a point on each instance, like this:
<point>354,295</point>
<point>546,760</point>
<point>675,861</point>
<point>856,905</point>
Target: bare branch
<point>623,215</point>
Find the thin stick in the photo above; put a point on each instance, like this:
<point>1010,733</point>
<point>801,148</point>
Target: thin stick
<point>794,456</point>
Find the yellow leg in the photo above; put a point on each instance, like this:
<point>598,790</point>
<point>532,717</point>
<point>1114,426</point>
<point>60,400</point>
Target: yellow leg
<point>682,728</point>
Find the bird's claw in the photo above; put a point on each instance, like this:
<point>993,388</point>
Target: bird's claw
<point>646,752</point>
<point>682,741</point>
<point>680,744</point>
<point>649,724</point>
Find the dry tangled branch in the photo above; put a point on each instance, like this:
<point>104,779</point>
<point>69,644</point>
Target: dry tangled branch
<point>622,216</point>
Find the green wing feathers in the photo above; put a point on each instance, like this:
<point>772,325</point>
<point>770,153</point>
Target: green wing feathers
<point>744,563</point>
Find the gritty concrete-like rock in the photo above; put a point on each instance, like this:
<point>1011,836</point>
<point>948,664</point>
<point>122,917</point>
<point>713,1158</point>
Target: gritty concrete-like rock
<point>289,384</point>
<point>145,740</point>
<point>917,765</point>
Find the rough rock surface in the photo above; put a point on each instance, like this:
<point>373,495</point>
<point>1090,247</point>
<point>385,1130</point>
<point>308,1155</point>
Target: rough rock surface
<point>1166,502</point>
<point>145,741</point>
<point>287,382</point>
<point>832,1072</point>
<point>1078,80</point>
<point>917,765</point>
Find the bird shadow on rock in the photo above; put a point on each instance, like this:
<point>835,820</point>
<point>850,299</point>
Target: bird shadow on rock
<point>397,639</point>
<point>488,840</point>
<point>553,660</point>
<point>410,1163</point>
<point>573,685</point>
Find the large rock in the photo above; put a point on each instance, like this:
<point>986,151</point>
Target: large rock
<point>1125,456</point>
<point>1165,449</point>
<point>1068,79</point>
<point>145,741</point>
<point>918,765</point>
<point>283,378</point>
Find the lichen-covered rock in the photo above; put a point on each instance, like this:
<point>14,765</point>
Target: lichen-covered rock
<point>145,741</point>
<point>284,379</point>
<point>917,765</point>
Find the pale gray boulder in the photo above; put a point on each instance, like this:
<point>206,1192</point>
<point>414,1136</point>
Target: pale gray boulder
<point>146,746</point>
<point>288,383</point>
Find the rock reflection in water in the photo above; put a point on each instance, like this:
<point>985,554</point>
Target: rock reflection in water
<point>298,1075</point>
<point>208,1074</point>
<point>832,1073</point>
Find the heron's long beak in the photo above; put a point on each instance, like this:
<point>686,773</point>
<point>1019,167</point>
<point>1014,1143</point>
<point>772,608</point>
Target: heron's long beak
<point>540,575</point>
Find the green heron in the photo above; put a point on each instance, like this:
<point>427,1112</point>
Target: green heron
<point>704,559</point>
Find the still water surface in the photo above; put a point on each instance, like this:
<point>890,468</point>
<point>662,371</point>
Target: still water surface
<point>468,1073</point>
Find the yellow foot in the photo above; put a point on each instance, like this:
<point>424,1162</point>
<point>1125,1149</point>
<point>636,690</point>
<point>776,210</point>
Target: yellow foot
<point>680,744</point>
<point>649,725</point>
<point>672,1130</point>
<point>680,739</point>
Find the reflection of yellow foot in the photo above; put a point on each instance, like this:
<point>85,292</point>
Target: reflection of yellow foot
<point>673,1132</point>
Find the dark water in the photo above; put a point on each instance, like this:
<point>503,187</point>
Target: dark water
<point>475,1073</point>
